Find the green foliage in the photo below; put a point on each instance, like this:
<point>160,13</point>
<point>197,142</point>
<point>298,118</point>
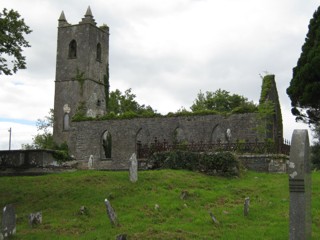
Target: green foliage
<point>80,114</point>
<point>266,107</point>
<point>44,139</point>
<point>266,87</point>
<point>220,163</point>
<point>265,117</point>
<point>125,103</point>
<point>61,153</point>
<point>107,86</point>
<point>223,102</point>
<point>60,197</point>
<point>80,78</point>
<point>12,29</point>
<point>304,89</point>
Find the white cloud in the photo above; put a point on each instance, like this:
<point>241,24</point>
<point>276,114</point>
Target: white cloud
<point>20,134</point>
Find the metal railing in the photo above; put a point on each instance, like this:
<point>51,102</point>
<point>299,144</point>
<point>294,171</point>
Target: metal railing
<point>265,147</point>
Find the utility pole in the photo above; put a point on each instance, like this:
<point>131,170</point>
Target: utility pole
<point>9,138</point>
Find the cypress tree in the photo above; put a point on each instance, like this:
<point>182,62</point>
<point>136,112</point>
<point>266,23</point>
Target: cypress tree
<point>304,89</point>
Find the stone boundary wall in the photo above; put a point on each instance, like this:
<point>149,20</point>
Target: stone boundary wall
<point>86,137</point>
<point>26,158</point>
<point>272,163</point>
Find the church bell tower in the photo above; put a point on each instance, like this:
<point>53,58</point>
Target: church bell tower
<point>81,73</point>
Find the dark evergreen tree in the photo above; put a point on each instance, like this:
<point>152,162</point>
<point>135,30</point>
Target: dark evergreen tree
<point>304,89</point>
<point>12,29</point>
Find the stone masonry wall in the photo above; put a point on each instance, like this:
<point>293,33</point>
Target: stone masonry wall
<point>86,139</point>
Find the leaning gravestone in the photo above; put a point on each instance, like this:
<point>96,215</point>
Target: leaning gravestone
<point>111,213</point>
<point>8,221</point>
<point>133,168</point>
<point>300,186</point>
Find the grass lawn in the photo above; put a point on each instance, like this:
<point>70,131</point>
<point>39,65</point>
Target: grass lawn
<point>60,196</point>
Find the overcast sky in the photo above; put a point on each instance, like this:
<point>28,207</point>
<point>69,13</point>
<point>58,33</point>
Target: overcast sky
<point>165,50</point>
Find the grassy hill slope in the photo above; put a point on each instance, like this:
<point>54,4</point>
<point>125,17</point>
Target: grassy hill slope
<point>60,196</point>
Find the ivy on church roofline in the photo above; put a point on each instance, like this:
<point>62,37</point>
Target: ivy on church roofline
<point>182,113</point>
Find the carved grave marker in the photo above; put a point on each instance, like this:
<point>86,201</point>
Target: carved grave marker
<point>8,221</point>
<point>300,186</point>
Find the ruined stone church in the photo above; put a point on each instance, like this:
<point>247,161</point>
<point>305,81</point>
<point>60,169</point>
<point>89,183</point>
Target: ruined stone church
<point>81,72</point>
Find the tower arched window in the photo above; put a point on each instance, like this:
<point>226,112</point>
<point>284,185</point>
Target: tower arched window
<point>99,52</point>
<point>66,122</point>
<point>73,49</point>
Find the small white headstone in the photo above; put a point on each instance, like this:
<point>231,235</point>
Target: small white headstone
<point>133,169</point>
<point>90,162</point>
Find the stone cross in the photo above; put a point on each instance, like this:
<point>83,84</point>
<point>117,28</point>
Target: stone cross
<point>133,168</point>
<point>299,171</point>
<point>8,221</point>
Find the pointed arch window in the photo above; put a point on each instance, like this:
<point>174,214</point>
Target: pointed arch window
<point>66,122</point>
<point>106,144</point>
<point>99,52</point>
<point>73,49</point>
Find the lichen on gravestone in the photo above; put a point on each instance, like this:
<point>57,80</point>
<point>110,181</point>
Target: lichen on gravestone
<point>8,221</point>
<point>133,168</point>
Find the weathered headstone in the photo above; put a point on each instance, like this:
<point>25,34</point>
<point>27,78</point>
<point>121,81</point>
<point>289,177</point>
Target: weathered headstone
<point>213,218</point>
<point>111,213</point>
<point>133,169</point>
<point>35,218</point>
<point>121,237</point>
<point>246,206</point>
<point>8,221</point>
<point>90,162</point>
<point>299,170</point>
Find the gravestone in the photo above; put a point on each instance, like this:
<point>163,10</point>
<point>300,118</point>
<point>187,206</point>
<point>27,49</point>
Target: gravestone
<point>8,221</point>
<point>111,213</point>
<point>246,206</point>
<point>35,218</point>
<point>299,171</point>
<point>90,162</point>
<point>121,237</point>
<point>213,218</point>
<point>133,169</point>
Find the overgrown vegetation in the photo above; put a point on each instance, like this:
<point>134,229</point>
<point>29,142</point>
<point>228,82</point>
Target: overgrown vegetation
<point>124,106</point>
<point>218,163</point>
<point>266,107</point>
<point>80,78</point>
<point>60,197</point>
<point>44,139</point>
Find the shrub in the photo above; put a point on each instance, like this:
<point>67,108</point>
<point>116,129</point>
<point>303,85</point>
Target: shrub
<point>219,163</point>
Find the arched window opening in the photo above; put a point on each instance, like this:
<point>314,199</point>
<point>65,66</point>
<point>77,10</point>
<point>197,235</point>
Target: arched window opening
<point>179,136</point>
<point>73,49</point>
<point>99,52</point>
<point>66,122</point>
<point>107,144</point>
